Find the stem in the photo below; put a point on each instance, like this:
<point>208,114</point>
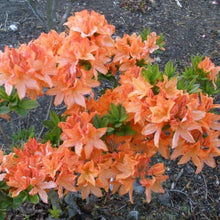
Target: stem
<point>53,13</point>
<point>64,17</point>
<point>32,5</point>
<point>4,134</point>
<point>49,15</point>
<point>47,116</point>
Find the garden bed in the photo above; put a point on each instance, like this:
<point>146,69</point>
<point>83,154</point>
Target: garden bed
<point>189,28</point>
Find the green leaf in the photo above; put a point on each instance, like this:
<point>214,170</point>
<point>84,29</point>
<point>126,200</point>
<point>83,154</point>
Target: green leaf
<point>3,94</point>
<point>20,111</point>
<point>152,73</point>
<point>169,69</point>
<point>22,197</point>
<point>144,34</point>
<point>123,117</point>
<point>34,199</point>
<point>2,215</point>
<point>86,64</point>
<point>196,60</point>
<point>111,119</point>
<point>7,203</point>
<point>96,121</point>
<point>100,122</point>
<point>54,117</point>
<point>4,110</point>
<point>160,41</point>
<point>194,89</point>
<point>104,122</point>
<point>28,104</point>
<point>117,125</point>
<point>3,185</point>
<point>14,100</point>
<point>125,130</point>
<point>110,130</point>
<point>114,111</point>
<point>49,124</point>
<point>55,213</point>
<point>141,63</point>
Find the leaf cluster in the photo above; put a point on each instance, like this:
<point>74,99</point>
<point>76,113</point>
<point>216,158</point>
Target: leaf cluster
<point>115,121</point>
<point>12,103</point>
<point>194,80</point>
<point>22,136</point>
<point>7,201</point>
<point>54,132</point>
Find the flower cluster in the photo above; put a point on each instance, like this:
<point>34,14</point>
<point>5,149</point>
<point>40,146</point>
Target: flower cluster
<point>106,143</point>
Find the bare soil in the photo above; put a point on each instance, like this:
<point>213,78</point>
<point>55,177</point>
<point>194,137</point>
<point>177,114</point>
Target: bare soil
<point>191,29</point>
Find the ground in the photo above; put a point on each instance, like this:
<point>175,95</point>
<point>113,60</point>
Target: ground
<point>189,27</point>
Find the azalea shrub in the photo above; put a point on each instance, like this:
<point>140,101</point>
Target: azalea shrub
<point>106,142</point>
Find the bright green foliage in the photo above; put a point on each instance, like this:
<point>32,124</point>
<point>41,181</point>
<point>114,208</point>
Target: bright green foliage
<point>55,213</point>
<point>117,115</point>
<point>114,121</point>
<point>195,80</point>
<point>7,201</point>
<point>101,123</point>
<point>152,73</point>
<point>12,103</point>
<point>54,132</point>
<point>160,42</point>
<point>169,70</point>
<point>144,34</point>
<point>22,136</point>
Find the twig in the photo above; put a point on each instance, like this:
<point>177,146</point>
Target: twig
<point>183,193</point>
<point>32,6</point>
<point>205,216</point>
<point>47,116</point>
<point>177,178</point>
<point>49,15</point>
<point>206,191</point>
<point>64,17</point>
<point>178,3</point>
<point>4,134</point>
<point>6,20</point>
<point>121,207</point>
<point>53,13</point>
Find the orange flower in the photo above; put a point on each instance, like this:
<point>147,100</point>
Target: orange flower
<point>71,94</point>
<point>127,186</point>
<point>82,135</point>
<point>153,128</point>
<point>88,24</point>
<point>1,156</point>
<point>65,180</point>
<point>40,185</point>
<point>86,190</point>
<point>150,43</point>
<point>126,167</point>
<point>141,88</point>
<point>161,111</point>
<point>51,41</point>
<point>203,151</point>
<point>154,184</point>
<point>88,173</point>
<point>20,180</point>
<point>208,67</point>
<point>168,88</point>
<point>105,174</point>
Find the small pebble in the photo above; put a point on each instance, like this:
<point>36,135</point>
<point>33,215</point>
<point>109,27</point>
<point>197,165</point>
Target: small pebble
<point>133,215</point>
<point>13,27</point>
<point>165,199</point>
